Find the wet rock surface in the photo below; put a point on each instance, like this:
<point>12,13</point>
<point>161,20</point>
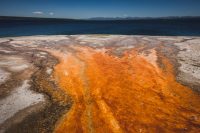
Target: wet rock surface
<point>99,83</point>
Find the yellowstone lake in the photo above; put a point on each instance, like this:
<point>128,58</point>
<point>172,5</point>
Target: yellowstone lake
<point>10,27</point>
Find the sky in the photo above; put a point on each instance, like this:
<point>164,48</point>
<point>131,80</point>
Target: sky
<point>99,8</point>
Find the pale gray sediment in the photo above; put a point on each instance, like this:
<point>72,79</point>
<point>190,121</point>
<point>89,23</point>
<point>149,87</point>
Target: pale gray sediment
<point>21,107</point>
<point>20,98</point>
<point>189,58</point>
<point>3,76</point>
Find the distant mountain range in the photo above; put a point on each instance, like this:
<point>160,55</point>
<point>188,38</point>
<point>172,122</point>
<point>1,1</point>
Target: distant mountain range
<point>95,18</point>
<point>142,18</point>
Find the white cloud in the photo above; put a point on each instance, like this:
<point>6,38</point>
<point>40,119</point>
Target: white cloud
<point>37,13</point>
<point>51,13</point>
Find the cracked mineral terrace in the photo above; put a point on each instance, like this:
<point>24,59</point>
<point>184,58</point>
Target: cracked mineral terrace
<point>99,83</point>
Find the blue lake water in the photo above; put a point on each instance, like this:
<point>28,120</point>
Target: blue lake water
<point>160,27</point>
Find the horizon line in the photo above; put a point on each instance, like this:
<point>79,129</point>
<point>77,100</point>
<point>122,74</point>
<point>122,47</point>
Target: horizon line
<point>128,17</point>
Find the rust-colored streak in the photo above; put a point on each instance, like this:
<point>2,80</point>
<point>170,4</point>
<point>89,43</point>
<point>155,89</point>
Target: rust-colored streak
<point>127,94</point>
